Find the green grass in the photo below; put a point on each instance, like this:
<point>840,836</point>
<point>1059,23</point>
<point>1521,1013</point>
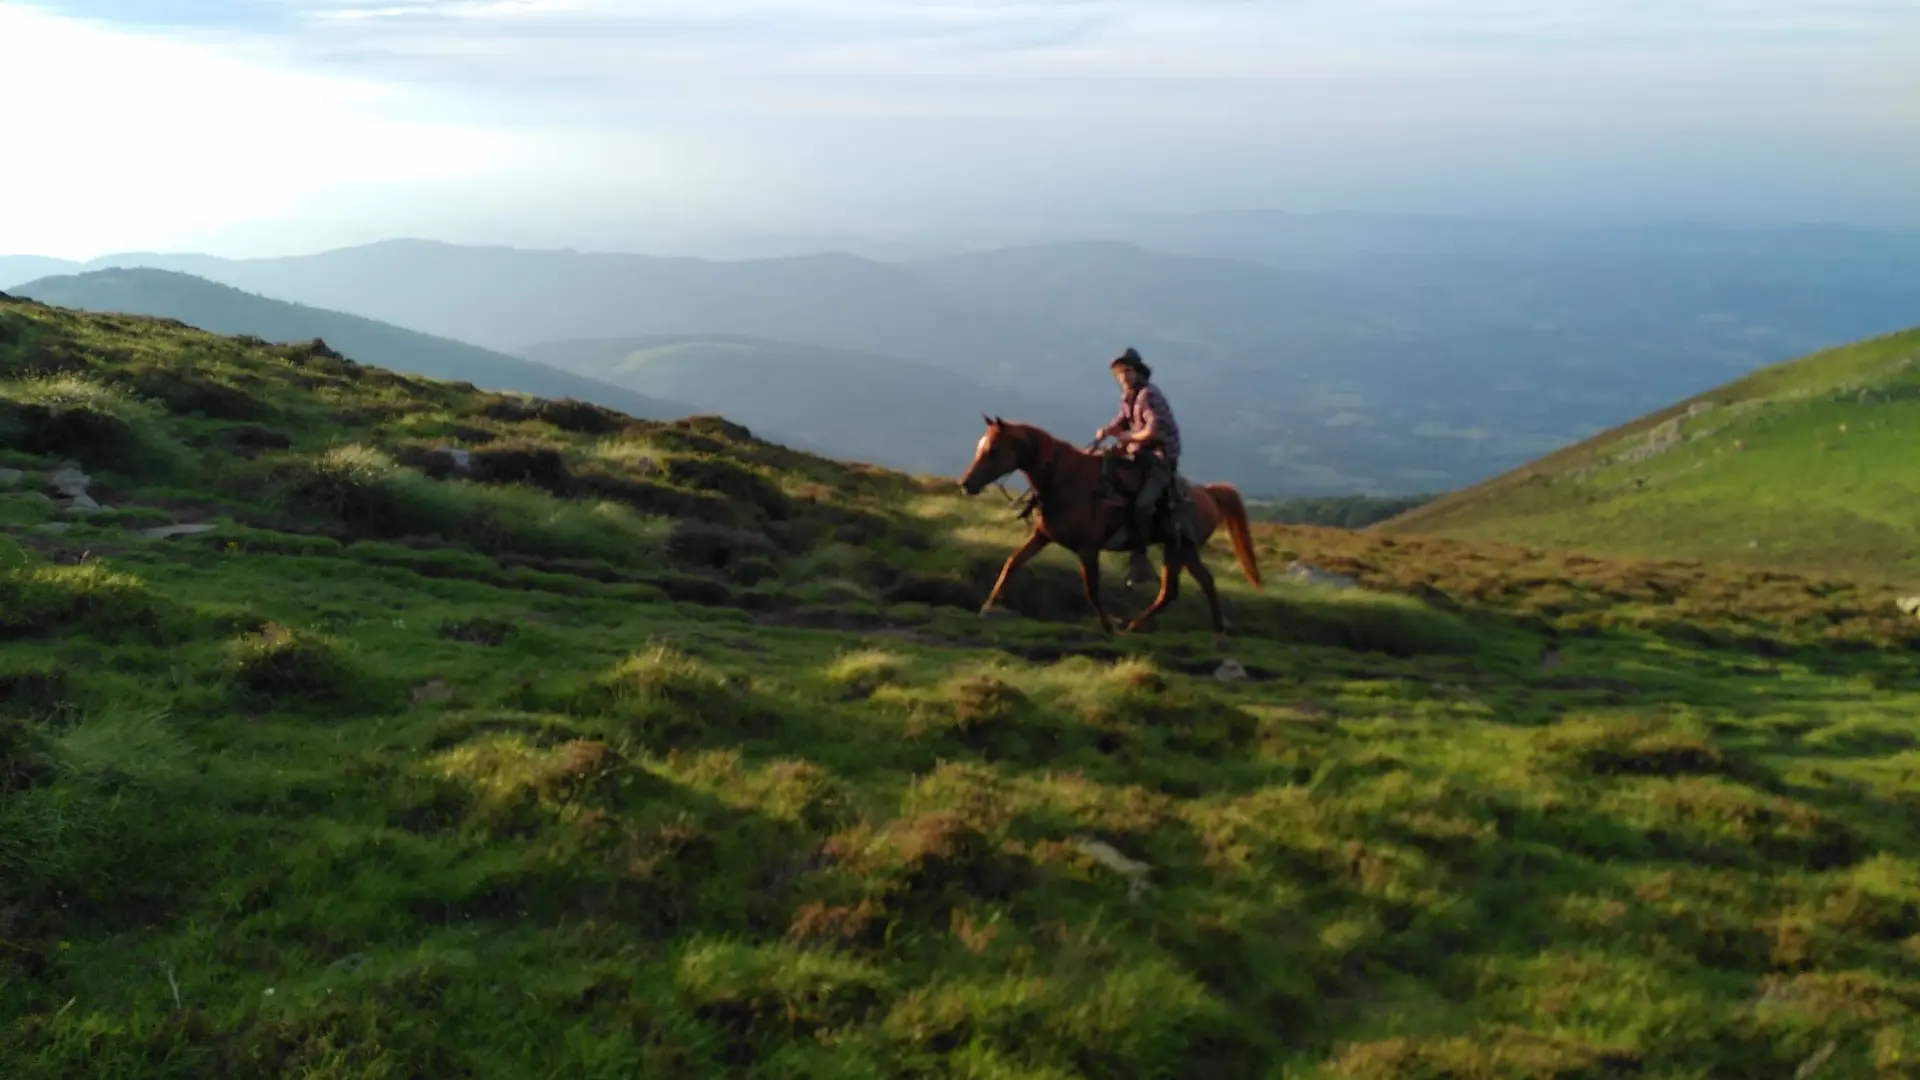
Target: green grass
<point>1801,465</point>
<point>731,781</point>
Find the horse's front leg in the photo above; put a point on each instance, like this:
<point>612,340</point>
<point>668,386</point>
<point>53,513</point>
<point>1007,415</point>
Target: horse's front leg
<point>1028,550</point>
<point>1090,581</point>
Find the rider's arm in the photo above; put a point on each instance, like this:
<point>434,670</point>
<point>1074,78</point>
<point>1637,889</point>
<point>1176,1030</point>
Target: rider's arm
<point>1150,432</point>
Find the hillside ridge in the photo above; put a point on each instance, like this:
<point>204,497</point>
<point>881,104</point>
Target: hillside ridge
<point>223,308</point>
<point>354,723</point>
<point>1682,472</point>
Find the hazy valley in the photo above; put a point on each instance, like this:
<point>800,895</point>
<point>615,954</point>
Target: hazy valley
<point>1324,356</point>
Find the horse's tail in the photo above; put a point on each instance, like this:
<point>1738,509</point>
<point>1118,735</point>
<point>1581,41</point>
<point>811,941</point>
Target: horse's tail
<point>1233,512</point>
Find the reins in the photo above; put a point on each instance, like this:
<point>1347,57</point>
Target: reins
<point>1023,506</point>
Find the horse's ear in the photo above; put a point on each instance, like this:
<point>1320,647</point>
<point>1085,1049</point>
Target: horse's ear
<point>987,420</point>
<point>997,422</point>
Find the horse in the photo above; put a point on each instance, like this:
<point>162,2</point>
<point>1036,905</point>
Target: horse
<point>1071,511</point>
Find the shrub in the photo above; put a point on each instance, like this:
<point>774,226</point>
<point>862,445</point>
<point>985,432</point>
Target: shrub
<point>536,466</point>
<point>717,547</point>
<point>26,756</point>
<point>728,478</point>
<point>185,393</point>
<point>365,489</point>
<point>567,414</point>
<point>37,692</point>
<point>99,426</point>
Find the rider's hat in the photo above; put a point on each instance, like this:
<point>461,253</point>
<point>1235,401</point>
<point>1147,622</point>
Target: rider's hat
<point>1131,358</point>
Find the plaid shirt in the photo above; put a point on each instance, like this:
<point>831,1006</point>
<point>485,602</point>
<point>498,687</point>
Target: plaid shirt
<point>1148,402</point>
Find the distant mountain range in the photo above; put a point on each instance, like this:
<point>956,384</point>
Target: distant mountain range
<point>1305,355</point>
<point>910,416</point>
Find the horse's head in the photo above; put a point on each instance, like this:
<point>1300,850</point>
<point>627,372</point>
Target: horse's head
<point>993,458</point>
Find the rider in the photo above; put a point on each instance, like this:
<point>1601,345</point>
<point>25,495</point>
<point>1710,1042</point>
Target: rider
<point>1148,435</point>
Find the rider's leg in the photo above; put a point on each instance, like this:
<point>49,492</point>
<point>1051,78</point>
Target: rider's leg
<point>1144,505</point>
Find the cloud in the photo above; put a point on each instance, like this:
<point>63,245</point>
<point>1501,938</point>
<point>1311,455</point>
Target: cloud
<point>120,139</point>
<point>531,53</point>
<point>532,109</point>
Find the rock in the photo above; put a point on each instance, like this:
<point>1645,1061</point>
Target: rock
<point>1110,857</point>
<point>1230,671</point>
<point>82,504</point>
<point>432,690</point>
<point>54,527</point>
<point>462,459</point>
<point>68,483</point>
<point>1908,605</point>
<point>10,477</point>
<point>164,532</point>
<point>1313,575</point>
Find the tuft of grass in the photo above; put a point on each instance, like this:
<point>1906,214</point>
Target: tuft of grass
<point>859,673</point>
<point>509,778</point>
<point>101,426</point>
<point>90,598</point>
<point>277,666</point>
<point>664,698</point>
<point>1608,746</point>
<point>126,744</point>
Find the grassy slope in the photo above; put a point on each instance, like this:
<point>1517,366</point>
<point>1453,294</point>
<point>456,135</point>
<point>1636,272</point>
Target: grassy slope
<point>217,307</point>
<point>391,776</point>
<point>1804,464</point>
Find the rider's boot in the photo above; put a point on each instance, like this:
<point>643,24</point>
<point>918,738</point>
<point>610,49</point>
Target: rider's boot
<point>1139,570</point>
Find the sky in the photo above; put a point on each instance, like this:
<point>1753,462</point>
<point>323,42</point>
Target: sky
<point>251,127</point>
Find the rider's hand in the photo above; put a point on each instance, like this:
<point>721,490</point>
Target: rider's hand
<point>1100,433</point>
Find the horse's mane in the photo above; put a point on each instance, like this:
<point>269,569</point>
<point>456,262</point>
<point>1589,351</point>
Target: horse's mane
<point>1037,437</point>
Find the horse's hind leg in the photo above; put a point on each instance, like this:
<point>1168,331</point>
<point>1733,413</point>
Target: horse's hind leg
<point>1205,577</point>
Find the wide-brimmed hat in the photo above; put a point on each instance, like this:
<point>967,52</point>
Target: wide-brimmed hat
<point>1131,358</point>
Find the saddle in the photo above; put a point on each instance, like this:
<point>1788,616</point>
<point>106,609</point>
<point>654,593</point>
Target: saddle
<point>1173,518</point>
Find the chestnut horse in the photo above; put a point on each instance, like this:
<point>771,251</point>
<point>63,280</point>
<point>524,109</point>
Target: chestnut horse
<point>1070,511</point>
